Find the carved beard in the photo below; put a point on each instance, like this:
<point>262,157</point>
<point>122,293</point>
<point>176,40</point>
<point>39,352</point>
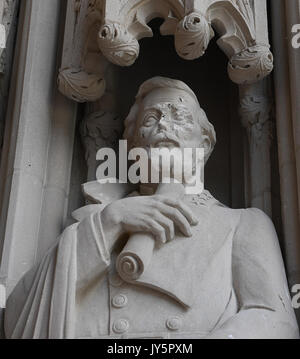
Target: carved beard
<point>176,166</point>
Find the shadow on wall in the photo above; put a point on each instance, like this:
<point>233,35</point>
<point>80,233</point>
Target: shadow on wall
<point>208,78</point>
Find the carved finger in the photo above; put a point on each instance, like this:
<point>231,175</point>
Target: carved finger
<point>167,223</point>
<point>157,230</point>
<point>183,208</point>
<point>177,217</point>
<point>188,213</point>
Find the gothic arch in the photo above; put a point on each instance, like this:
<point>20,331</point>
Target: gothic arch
<point>113,29</point>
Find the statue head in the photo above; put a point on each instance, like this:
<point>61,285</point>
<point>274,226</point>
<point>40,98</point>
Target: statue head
<point>167,113</point>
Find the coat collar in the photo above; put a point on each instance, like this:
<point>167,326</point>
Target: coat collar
<point>97,193</point>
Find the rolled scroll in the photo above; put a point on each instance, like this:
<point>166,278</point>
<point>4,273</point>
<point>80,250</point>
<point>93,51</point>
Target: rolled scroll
<point>137,253</point>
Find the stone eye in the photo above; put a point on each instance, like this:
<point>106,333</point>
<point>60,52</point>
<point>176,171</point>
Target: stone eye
<point>150,120</point>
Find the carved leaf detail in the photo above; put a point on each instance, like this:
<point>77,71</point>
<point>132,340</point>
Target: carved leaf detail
<point>100,129</point>
<point>244,6</point>
<point>94,9</point>
<point>118,45</point>
<point>80,86</point>
<point>192,36</point>
<point>115,28</point>
<point>255,115</point>
<point>251,65</point>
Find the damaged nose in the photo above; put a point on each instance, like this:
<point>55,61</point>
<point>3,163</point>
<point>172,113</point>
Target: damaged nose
<point>164,122</point>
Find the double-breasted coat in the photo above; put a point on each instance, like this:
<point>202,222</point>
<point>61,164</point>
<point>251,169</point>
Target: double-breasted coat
<point>226,281</point>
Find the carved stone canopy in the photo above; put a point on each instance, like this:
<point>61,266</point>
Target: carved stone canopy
<point>191,22</point>
<point>113,28</point>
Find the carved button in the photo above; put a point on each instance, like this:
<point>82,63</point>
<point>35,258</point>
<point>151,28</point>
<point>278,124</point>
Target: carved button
<point>120,326</point>
<point>173,323</point>
<point>115,280</point>
<point>119,301</point>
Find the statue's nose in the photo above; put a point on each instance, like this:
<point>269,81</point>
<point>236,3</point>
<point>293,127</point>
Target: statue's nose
<point>164,123</point>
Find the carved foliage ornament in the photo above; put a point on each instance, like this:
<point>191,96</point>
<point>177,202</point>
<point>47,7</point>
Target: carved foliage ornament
<point>254,63</point>
<point>81,86</point>
<point>118,45</point>
<point>111,29</point>
<point>192,36</point>
<point>126,22</point>
<point>255,114</point>
<point>81,77</point>
<point>191,22</point>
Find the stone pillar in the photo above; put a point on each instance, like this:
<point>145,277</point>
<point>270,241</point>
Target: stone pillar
<point>287,90</point>
<point>87,77</point>
<point>255,113</point>
<point>293,17</point>
<point>99,129</point>
<point>101,126</point>
<point>2,28</point>
<point>38,144</point>
<point>8,25</point>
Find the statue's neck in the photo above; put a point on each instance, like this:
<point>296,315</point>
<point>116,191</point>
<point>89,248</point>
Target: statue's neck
<point>148,189</point>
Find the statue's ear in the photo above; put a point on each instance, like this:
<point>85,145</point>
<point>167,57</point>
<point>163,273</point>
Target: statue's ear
<point>206,144</point>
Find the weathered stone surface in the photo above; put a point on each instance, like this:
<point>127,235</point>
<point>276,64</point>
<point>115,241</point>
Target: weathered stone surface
<point>235,246</point>
<point>8,26</point>
<point>208,271</point>
<point>117,26</point>
<point>287,92</point>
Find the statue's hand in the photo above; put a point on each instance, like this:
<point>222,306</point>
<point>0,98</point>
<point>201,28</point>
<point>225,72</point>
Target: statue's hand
<point>157,215</point>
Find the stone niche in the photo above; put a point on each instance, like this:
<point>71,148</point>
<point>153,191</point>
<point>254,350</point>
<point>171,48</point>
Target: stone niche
<point>219,48</point>
<point>212,45</point>
<point>207,76</point>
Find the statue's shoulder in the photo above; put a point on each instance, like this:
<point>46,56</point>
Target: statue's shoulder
<point>256,230</point>
<point>253,230</point>
<point>246,220</point>
<point>255,216</point>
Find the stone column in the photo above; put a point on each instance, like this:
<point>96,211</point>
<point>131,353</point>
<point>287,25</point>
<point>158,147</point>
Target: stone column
<point>8,24</point>
<point>293,17</point>
<point>255,111</point>
<point>38,144</point>
<point>101,126</point>
<point>287,90</point>
<point>2,28</point>
<point>87,77</point>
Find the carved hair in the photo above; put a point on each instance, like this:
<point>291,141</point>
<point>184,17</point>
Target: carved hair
<point>163,82</point>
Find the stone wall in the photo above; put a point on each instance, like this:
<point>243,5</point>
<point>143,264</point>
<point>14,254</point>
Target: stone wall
<point>8,25</point>
<point>43,167</point>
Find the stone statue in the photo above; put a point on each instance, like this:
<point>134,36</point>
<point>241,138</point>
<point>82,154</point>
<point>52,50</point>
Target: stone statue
<point>215,272</point>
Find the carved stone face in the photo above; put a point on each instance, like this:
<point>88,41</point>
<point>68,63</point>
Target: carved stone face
<point>168,118</point>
